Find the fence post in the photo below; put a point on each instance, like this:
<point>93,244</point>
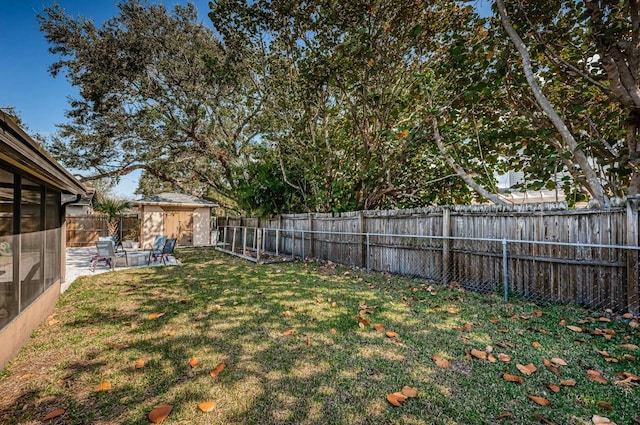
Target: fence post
<point>446,247</point>
<point>244,240</point>
<point>233,243</point>
<point>362,229</point>
<point>505,271</point>
<point>368,253</point>
<point>633,302</point>
<point>302,245</point>
<point>311,252</point>
<point>258,243</point>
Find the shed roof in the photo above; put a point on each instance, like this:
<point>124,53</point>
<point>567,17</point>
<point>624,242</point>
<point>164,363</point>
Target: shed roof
<point>21,151</point>
<point>174,199</point>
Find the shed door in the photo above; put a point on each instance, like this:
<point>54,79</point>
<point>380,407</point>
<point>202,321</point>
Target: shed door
<point>179,224</point>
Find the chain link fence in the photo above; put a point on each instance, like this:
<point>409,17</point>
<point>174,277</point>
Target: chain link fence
<point>590,275</point>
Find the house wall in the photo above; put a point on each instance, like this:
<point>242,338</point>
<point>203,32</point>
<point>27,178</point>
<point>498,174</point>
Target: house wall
<point>16,333</point>
<point>201,226</point>
<point>152,224</point>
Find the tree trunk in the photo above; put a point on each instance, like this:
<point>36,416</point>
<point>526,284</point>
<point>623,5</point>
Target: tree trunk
<point>594,185</point>
<point>459,170</point>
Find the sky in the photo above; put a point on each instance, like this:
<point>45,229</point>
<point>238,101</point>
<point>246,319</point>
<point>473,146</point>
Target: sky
<point>25,83</point>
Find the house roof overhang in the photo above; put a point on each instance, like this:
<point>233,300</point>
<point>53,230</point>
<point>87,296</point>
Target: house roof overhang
<point>22,152</point>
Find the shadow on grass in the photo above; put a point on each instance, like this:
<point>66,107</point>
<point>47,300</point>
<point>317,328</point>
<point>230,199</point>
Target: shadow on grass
<point>225,310</point>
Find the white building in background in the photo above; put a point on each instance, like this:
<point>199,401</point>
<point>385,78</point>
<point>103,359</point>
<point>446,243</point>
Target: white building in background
<point>512,178</point>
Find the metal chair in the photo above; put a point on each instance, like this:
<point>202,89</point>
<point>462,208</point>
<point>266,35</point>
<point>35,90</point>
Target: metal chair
<point>164,252</point>
<point>105,250</point>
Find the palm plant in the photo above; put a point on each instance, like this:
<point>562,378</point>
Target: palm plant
<point>112,208</point>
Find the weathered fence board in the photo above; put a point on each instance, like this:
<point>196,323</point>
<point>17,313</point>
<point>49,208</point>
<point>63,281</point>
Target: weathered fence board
<point>452,247</point>
<point>85,230</point>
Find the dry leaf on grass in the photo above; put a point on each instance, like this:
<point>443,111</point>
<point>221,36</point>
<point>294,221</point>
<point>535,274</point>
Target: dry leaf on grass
<point>53,414</point>
<point>216,371</point>
<point>568,382</point>
<point>598,420</point>
<point>103,386</point>
<point>478,354</point>
<point>526,369</point>
<point>629,346</point>
<point>574,328</point>
<point>155,315</point>
<point>558,361</point>
<point>140,364</point>
<point>513,378</point>
<point>391,334</point>
<point>160,413</point>
<point>536,344</point>
<point>539,400</point>
<point>605,405</point>
<point>409,391</point>
<point>596,376</point>
<point>553,387</point>
<point>440,362</point>
<point>193,362</point>
<point>396,399</point>
<point>379,327</point>
<point>504,357</point>
<point>551,367</point>
<point>288,332</point>
<point>207,406</point>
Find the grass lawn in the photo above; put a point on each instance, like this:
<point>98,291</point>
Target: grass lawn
<point>296,349</point>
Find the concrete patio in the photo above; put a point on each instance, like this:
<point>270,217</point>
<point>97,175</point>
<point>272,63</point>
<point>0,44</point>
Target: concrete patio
<point>79,264</point>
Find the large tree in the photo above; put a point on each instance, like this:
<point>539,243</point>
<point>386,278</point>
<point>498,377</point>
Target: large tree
<point>158,92</point>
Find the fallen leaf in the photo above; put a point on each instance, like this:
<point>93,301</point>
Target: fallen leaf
<point>288,332</point>
<point>504,357</point>
<point>604,319</point>
<point>379,327</point>
<point>193,362</point>
<point>53,414</point>
<point>170,333</point>
<point>539,418</point>
<point>216,371</point>
<point>491,358</point>
<point>103,386</point>
<point>540,400</point>
<point>603,353</point>
<point>396,399</point>
<point>468,326</point>
<point>596,376</point>
<point>207,406</point>
<point>391,334</point>
<point>558,361</point>
<point>308,340</point>
<point>553,387</point>
<point>597,420</point>
<point>526,369</point>
<point>537,313</point>
<point>478,354</point>
<point>629,346</point>
<point>155,315</point>
<point>536,344</point>
<point>513,378</point>
<point>574,328</point>
<point>140,364</point>
<point>505,415</point>
<point>452,310</point>
<point>568,382</point>
<point>551,367</point>
<point>286,313</point>
<point>605,405</point>
<point>160,413</point>
<point>409,391</point>
<point>439,361</point>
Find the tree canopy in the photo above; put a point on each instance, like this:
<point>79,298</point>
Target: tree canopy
<point>289,106</point>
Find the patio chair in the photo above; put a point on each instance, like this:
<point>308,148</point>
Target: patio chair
<point>106,251</point>
<point>118,246</point>
<point>164,252</point>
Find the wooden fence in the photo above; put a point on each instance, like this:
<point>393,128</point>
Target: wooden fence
<point>85,230</point>
<point>588,257</point>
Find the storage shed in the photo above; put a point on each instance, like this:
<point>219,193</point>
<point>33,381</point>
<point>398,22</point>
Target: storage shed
<point>34,190</point>
<point>176,215</point>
